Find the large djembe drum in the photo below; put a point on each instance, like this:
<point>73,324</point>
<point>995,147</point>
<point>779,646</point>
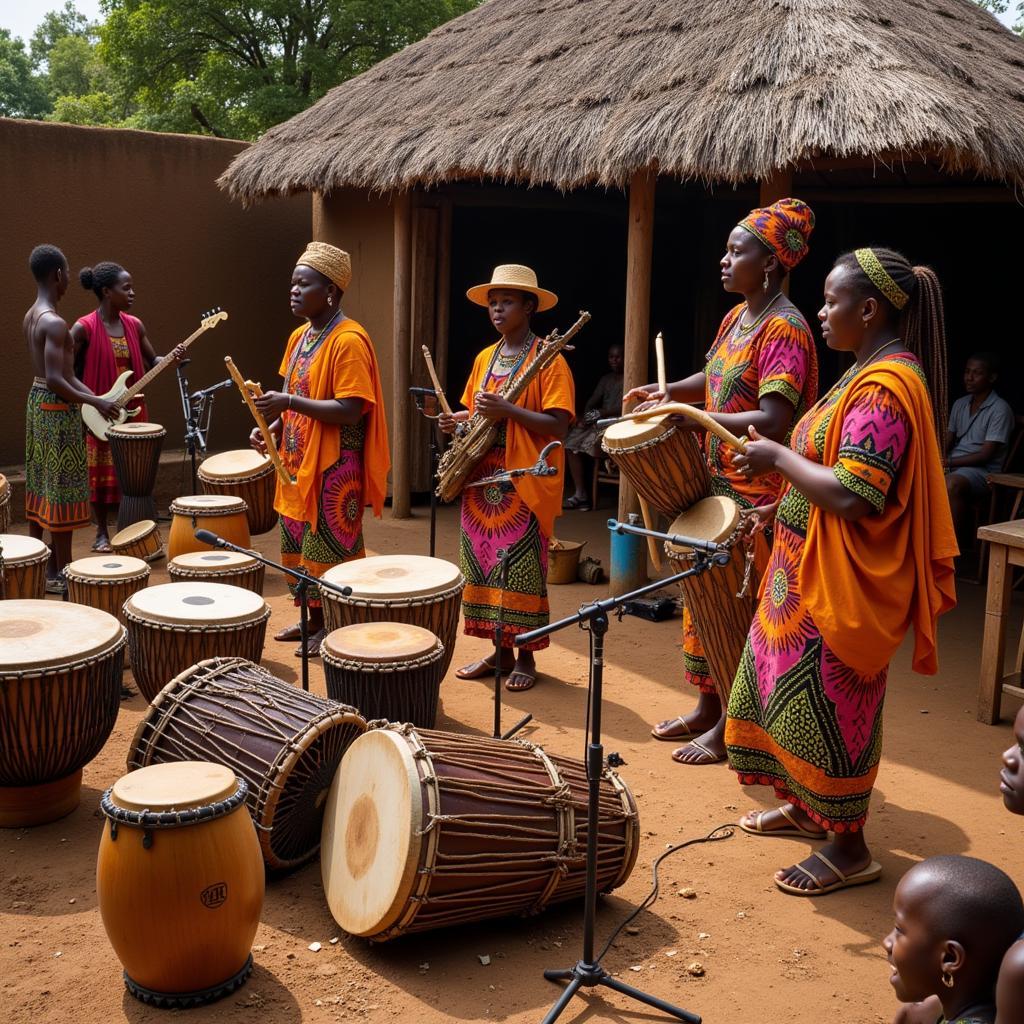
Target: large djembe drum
<point>244,474</point>
<point>22,566</point>
<point>135,450</point>
<point>105,581</point>
<point>231,567</point>
<point>221,514</point>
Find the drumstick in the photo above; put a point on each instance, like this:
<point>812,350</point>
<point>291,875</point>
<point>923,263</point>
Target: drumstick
<point>249,391</point>
<point>445,407</point>
<point>659,350</point>
<point>681,409</point>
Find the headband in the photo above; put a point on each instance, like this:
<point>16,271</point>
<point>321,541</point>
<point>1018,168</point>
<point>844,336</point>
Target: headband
<point>880,278</point>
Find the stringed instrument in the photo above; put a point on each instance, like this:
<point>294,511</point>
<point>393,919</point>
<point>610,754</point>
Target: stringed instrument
<point>251,390</point>
<point>121,394</point>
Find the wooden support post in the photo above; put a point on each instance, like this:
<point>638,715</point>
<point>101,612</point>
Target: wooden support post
<point>400,362</point>
<point>444,289</point>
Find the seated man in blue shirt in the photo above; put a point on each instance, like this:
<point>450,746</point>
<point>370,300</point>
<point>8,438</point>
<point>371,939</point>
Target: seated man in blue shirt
<point>980,425</point>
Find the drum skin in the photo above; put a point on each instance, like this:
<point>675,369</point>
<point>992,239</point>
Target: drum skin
<point>189,515</point>
<point>87,585</point>
<point>140,540</point>
<point>254,485</point>
<point>218,567</point>
<point>24,567</point>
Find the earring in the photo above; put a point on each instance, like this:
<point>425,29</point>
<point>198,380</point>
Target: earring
<point>765,285</point>
<point>330,301</point>
<point>947,979</point>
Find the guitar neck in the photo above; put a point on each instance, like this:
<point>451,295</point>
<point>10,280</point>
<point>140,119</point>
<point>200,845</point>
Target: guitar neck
<point>155,370</point>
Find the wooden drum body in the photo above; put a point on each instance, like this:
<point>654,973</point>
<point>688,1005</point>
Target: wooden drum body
<point>174,625</point>
<point>106,581</point>
<point>220,513</point>
<point>416,589</point>
<point>428,829</point>
<point>140,540</point>
<point>244,474</point>
<point>663,463</point>
<point>23,566</point>
<point>135,450</point>
<point>284,742</point>
<point>5,504</point>
<point>721,616</point>
<point>60,690</point>
<point>389,670</point>
<point>180,882</point>
<point>229,567</point>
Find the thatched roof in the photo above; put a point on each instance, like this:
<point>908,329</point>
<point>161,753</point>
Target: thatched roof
<point>573,92</point>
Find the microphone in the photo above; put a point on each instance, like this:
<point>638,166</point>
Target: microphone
<point>423,392</point>
<point>207,537</point>
<point>210,390</point>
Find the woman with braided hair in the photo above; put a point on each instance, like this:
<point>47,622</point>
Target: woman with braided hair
<point>863,549</point>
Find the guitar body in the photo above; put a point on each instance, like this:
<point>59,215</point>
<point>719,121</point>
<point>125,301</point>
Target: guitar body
<point>99,424</point>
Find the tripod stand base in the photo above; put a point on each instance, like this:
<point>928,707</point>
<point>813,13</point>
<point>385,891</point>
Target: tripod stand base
<point>585,975</point>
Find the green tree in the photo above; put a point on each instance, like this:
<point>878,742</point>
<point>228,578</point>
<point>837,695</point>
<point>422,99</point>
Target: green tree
<point>21,92</point>
<point>55,26</point>
<point>1002,6</point>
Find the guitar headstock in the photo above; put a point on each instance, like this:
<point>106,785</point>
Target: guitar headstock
<point>213,317</point>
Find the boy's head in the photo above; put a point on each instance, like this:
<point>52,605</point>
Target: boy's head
<point>615,357</point>
<point>49,266</point>
<point>980,373</point>
<point>1011,778</point>
<point>955,919</point>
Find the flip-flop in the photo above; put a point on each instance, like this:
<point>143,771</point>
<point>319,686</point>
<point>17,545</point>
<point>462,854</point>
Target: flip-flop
<point>56,586</point>
<point>577,504</point>
<point>796,829</point>
<point>686,737</point>
<point>291,633</point>
<point>712,757</point>
<point>518,673</point>
<point>102,547</point>
<point>312,644</point>
<point>481,669</point>
<point>872,873</point>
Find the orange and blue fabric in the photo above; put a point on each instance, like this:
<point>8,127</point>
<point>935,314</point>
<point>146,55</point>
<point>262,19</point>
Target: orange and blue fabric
<point>783,228</point>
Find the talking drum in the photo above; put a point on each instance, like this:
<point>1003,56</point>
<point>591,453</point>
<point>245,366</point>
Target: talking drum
<point>428,829</point>
<point>245,474</point>
<point>219,513</point>
<point>5,504</point>
<point>135,451</point>
<point>722,618</point>
<point>389,670</point>
<point>105,581</point>
<point>174,625</point>
<point>140,540</point>
<point>284,742</point>
<point>180,882</point>
<point>60,690</point>
<point>22,566</point>
<point>231,567</point>
<point>663,463</point>
<point>417,589</point>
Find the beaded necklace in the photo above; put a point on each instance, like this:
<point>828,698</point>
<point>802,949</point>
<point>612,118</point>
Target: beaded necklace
<point>510,363</point>
<point>306,348</point>
<point>740,328</point>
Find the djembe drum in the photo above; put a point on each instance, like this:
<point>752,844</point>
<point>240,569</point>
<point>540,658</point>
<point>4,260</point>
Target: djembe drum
<point>140,540</point>
<point>230,567</point>
<point>428,829</point>
<point>284,742</point>
<point>244,474</point>
<point>180,882</point>
<point>22,566</point>
<point>135,450</point>
<point>60,690</point>
<point>663,463</point>
<point>5,504</point>
<point>174,625</point>
<point>219,513</point>
<point>389,670</point>
<point>105,581</point>
<point>417,589</point>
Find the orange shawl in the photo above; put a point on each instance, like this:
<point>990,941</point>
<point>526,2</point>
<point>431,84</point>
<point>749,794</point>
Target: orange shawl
<point>345,366</point>
<point>866,582</point>
<point>552,388</point>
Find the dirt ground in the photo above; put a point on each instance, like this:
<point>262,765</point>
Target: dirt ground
<point>765,956</point>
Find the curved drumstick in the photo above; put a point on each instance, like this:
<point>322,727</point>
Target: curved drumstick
<point>699,415</point>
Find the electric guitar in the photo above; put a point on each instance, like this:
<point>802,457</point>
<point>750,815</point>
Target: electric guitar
<point>120,394</point>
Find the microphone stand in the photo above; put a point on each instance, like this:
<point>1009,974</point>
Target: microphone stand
<point>420,396</point>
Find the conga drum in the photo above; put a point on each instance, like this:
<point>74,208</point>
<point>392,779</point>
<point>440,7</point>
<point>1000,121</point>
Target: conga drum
<point>219,513</point>
<point>22,566</point>
<point>721,616</point>
<point>284,742</point>
<point>245,474</point>
<point>5,504</point>
<point>60,690</point>
<point>180,882</point>
<point>173,625</point>
<point>140,540</point>
<point>427,829</point>
<point>389,670</point>
<point>663,463</point>
<point>230,567</point>
<point>105,581</point>
<point>135,450</point>
<point>423,591</point>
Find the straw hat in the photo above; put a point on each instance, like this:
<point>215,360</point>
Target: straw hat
<point>518,277</point>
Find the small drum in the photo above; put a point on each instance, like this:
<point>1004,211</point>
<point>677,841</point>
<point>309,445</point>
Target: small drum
<point>230,567</point>
<point>428,829</point>
<point>424,591</point>
<point>389,670</point>
<point>663,463</point>
<point>245,474</point>
<point>60,690</point>
<point>180,882</point>
<point>174,625</point>
<point>284,742</point>
<point>22,566</point>
<point>135,450</point>
<point>219,513</point>
<point>105,581</point>
<point>721,616</point>
<point>5,504</point>
<point>140,540</point>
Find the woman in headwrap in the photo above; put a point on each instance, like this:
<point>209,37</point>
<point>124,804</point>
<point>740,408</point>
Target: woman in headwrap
<point>863,549</point>
<point>762,372</point>
<point>330,428</point>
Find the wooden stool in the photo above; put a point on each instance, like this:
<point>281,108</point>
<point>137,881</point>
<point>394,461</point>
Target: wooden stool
<point>1006,551</point>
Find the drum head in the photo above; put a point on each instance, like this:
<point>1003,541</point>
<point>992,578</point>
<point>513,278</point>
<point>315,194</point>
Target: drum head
<point>235,464</point>
<point>134,430</point>
<point>42,634</point>
<point>633,432</point>
<point>387,577</point>
<point>174,787</point>
<point>107,567</point>
<point>213,561</point>
<point>208,504</point>
<point>380,641</point>
<point>712,519</point>
<point>16,548</point>
<point>370,845</point>
<point>198,604</point>
<point>142,528</point>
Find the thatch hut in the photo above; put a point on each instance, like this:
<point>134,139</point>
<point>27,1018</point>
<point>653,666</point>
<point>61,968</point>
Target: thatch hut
<point>613,143</point>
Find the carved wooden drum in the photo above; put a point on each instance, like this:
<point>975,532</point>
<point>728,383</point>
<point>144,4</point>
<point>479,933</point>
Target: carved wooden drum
<point>22,566</point>
<point>230,567</point>
<point>220,513</point>
<point>105,581</point>
<point>140,540</point>
<point>135,450</point>
<point>245,474</point>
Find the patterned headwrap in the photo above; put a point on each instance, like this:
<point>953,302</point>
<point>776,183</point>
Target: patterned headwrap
<point>880,277</point>
<point>334,263</point>
<point>784,228</point>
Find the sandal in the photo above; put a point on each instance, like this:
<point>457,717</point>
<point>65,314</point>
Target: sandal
<point>482,669</point>
<point>56,585</point>
<point>709,756</point>
<point>101,547</point>
<point>513,687</point>
<point>291,633</point>
<point>796,828</point>
<point>872,873</point>
<point>578,504</point>
<point>312,644</point>
<point>687,735</point>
